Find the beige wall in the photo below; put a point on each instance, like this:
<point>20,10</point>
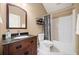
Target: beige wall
<point>33,11</point>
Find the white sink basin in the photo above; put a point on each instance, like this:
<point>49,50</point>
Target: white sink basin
<point>20,37</point>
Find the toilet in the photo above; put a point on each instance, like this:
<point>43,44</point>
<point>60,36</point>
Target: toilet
<point>44,45</point>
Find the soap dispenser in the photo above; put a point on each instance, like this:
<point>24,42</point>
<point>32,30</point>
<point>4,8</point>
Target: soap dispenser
<point>8,35</point>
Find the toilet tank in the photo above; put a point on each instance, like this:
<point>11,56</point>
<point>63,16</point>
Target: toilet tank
<point>41,36</point>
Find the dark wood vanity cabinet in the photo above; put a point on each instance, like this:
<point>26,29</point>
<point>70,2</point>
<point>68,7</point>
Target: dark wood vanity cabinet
<point>26,46</point>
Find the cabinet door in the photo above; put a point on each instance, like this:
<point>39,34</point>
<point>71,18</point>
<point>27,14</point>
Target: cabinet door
<point>34,45</point>
<point>14,47</point>
<point>31,49</point>
<point>17,48</point>
<point>5,50</point>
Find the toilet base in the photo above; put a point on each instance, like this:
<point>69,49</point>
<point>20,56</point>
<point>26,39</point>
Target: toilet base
<point>44,47</point>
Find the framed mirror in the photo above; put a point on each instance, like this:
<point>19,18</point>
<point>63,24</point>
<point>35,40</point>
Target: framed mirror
<point>16,17</point>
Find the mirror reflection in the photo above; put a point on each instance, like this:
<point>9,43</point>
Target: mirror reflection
<point>16,17</point>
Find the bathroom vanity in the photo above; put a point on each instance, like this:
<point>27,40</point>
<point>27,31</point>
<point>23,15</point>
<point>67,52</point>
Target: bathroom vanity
<point>20,46</point>
<point>17,43</point>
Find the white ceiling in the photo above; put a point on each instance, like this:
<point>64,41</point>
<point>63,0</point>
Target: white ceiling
<point>51,7</point>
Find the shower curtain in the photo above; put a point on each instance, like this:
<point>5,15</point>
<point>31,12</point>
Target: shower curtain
<point>47,28</point>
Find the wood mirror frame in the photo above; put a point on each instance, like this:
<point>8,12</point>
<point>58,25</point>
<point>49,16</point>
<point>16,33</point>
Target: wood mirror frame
<point>7,17</point>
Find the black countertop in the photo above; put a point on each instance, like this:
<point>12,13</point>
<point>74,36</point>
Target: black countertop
<point>8,41</point>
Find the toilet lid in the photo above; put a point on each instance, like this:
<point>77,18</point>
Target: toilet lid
<point>47,42</point>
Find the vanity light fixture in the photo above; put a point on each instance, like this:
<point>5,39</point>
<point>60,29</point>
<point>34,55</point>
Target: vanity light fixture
<point>1,20</point>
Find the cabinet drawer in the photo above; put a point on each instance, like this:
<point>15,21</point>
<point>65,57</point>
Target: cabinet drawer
<point>18,46</point>
<point>17,53</point>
